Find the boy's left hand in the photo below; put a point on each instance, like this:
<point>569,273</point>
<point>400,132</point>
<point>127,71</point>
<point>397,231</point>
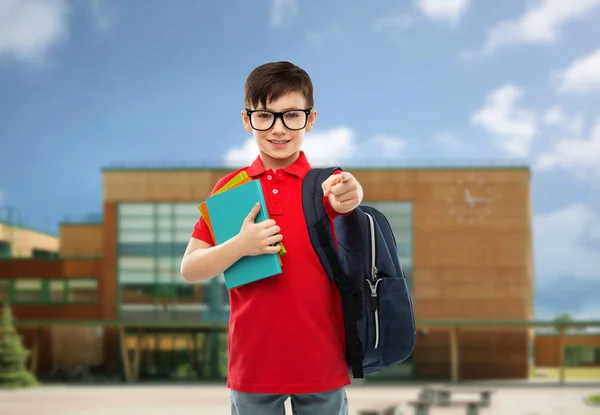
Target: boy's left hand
<point>344,192</point>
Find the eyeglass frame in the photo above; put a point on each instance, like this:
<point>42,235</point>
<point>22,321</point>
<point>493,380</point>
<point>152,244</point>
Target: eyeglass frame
<point>276,115</point>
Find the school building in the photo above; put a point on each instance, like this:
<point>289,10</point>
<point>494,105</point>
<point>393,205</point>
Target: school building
<point>113,299</point>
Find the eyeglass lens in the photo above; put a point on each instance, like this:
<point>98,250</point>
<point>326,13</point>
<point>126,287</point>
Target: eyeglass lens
<point>263,120</point>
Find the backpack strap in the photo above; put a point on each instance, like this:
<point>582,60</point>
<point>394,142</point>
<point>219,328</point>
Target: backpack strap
<point>321,238</point>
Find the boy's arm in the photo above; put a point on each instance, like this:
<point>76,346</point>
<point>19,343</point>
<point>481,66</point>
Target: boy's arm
<point>203,260</point>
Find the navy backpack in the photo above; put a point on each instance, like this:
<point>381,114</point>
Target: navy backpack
<point>377,308</point>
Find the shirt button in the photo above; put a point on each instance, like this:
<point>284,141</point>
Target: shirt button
<point>269,177</point>
<point>275,191</point>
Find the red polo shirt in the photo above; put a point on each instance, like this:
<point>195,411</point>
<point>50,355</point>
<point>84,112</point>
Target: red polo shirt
<point>286,333</point>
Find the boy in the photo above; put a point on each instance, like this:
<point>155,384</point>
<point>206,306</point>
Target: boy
<point>286,332</point>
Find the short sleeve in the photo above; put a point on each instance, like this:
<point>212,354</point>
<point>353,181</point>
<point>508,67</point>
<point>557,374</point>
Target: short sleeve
<point>201,230</point>
<point>329,209</point>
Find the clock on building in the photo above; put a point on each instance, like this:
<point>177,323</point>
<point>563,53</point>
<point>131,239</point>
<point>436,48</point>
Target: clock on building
<point>470,199</point>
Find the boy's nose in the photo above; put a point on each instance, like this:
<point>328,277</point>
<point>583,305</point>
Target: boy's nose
<point>278,127</point>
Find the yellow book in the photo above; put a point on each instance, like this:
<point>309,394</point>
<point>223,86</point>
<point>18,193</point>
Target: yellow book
<point>236,180</point>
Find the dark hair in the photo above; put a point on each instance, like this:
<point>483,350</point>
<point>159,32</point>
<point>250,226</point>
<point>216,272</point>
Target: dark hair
<point>273,80</point>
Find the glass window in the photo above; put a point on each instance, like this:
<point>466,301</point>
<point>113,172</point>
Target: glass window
<point>139,312</point>
<point>186,223</point>
<point>136,249</point>
<point>402,236</point>
<point>28,290</point>
<point>43,253</point>
<point>404,249</point>
<point>82,291</point>
<point>57,291</point>
<point>135,276</point>
<point>137,293</point>
<point>128,223</point>
<point>4,290</point>
<point>173,250</point>
<point>167,275</point>
<point>164,209</point>
<point>164,223</point>
<point>129,236</point>
<point>166,235</point>
<point>136,263</point>
<point>184,235</point>
<point>5,249</point>
<point>186,209</point>
<point>151,250</point>
<point>169,264</point>
<point>189,312</point>
<point>164,292</point>
<point>136,209</point>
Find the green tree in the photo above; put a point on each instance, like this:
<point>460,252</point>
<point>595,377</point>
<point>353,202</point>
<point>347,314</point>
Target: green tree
<point>13,355</point>
<point>566,320</point>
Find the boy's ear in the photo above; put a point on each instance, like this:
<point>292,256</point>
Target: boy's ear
<point>311,120</point>
<point>246,121</point>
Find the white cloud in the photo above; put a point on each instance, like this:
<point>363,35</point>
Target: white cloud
<point>390,146</point>
<point>448,140</point>
<point>394,22</point>
<point>513,127</point>
<point>579,156</point>
<point>589,311</point>
<point>281,9</point>
<point>336,146</point>
<point>103,14</point>
<point>541,23</point>
<point>582,76</point>
<point>556,116</point>
<point>560,239</point>
<point>242,156</point>
<point>448,11</point>
<point>30,29</point>
<point>328,147</point>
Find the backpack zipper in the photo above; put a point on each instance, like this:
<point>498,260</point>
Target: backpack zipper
<point>375,280</point>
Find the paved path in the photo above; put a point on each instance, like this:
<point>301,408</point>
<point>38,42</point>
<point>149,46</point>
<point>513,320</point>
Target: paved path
<point>214,400</point>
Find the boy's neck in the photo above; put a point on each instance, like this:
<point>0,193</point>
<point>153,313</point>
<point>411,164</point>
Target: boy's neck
<point>270,163</point>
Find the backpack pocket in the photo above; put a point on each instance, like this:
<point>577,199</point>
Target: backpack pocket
<point>396,321</point>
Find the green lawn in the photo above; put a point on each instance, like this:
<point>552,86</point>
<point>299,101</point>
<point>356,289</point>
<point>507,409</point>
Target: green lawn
<point>594,399</point>
<point>571,373</point>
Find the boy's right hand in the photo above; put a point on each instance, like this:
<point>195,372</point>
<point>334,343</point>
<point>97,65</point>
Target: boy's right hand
<point>257,238</point>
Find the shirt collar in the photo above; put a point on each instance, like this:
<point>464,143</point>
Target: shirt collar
<point>298,168</point>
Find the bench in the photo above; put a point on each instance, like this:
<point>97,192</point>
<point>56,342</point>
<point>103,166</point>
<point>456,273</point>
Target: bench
<point>386,410</point>
<point>472,407</point>
<point>443,396</point>
<point>423,407</point>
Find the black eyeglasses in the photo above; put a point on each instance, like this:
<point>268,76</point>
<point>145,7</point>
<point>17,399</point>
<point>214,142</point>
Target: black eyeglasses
<point>263,120</point>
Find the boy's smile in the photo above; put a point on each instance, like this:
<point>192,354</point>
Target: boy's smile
<point>279,146</point>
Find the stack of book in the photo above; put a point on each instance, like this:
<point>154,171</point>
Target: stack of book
<point>224,213</point>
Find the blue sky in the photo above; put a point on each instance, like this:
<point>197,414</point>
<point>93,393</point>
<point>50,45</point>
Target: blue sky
<point>91,84</point>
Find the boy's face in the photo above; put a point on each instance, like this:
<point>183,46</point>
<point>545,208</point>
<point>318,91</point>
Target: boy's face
<point>279,146</point>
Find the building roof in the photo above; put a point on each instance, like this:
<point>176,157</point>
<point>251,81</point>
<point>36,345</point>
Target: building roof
<point>28,228</point>
<point>80,223</point>
<point>441,165</point>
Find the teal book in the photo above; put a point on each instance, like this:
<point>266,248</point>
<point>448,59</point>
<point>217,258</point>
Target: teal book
<point>227,212</point>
